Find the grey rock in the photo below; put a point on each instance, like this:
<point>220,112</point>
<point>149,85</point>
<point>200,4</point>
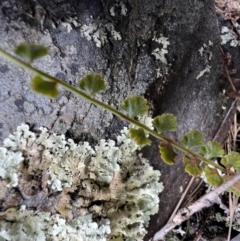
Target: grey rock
<point>73,30</point>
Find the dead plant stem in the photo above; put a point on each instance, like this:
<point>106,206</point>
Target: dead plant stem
<point>205,201</point>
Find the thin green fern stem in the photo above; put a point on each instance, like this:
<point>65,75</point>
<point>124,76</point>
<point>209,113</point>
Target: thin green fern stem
<point>109,108</point>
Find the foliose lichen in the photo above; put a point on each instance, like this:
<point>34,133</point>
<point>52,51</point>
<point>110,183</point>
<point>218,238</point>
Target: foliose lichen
<point>115,189</point>
<point>8,165</point>
<point>25,225</point>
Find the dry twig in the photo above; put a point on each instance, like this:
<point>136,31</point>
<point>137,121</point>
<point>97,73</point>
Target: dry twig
<point>205,201</point>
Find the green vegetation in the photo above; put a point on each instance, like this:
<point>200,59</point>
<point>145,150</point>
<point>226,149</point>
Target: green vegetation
<point>191,144</point>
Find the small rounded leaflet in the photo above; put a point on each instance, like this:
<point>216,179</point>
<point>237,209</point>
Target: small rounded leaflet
<point>31,51</point>
<point>212,149</point>
<point>213,177</point>
<point>92,84</point>
<point>135,106</point>
<point>48,88</point>
<point>192,138</point>
<point>167,153</point>
<point>165,122</point>
<point>191,166</point>
<point>231,160</point>
<point>139,136</point>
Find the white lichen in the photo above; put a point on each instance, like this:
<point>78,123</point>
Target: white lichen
<point>205,51</point>
<point>116,35</point>
<point>162,40</point>
<point>121,6</point>
<point>98,33</point>
<point>179,230</point>
<point>112,11</point>
<point>228,35</point>
<point>67,26</point>
<point>111,174</point>
<point>181,189</point>
<point>206,70</point>
<point>93,32</point>
<point>160,53</point>
<point>123,9</point>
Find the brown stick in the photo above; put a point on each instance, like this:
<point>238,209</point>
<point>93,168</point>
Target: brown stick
<point>205,201</point>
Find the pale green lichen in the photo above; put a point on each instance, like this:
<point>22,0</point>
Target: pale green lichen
<point>9,161</point>
<point>25,225</point>
<point>111,181</point>
<point>226,218</point>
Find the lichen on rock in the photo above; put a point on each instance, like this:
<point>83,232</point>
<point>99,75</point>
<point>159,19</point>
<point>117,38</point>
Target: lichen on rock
<point>69,182</point>
<point>9,161</point>
<point>25,225</point>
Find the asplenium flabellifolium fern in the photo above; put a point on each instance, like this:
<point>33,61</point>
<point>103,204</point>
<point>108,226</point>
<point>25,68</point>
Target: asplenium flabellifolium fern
<point>135,106</point>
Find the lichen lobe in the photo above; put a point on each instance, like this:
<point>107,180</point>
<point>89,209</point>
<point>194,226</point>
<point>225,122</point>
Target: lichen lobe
<point>65,181</point>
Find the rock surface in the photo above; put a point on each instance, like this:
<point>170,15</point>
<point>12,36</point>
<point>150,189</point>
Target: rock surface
<point>165,50</point>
